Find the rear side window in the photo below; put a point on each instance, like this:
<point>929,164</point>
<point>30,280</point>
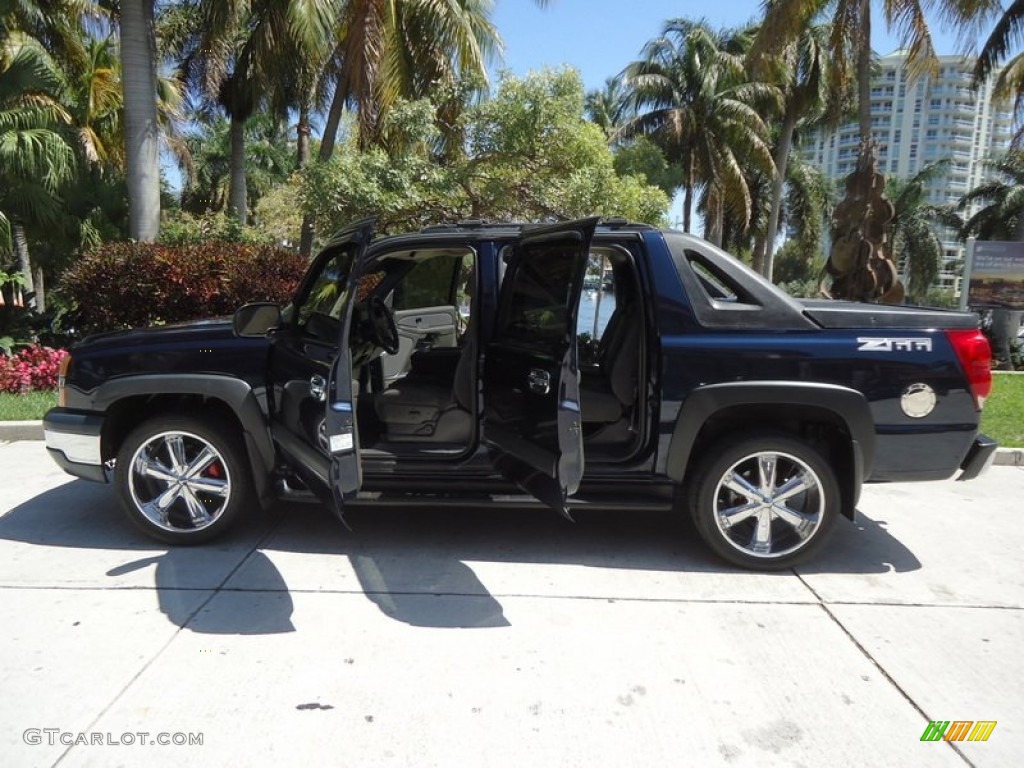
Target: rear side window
<point>716,285</point>
<point>726,294</point>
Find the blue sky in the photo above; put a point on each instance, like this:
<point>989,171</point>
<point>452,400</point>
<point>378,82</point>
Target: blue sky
<point>599,37</point>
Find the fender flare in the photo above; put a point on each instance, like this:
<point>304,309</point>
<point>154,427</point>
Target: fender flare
<point>848,406</point>
<point>236,393</point>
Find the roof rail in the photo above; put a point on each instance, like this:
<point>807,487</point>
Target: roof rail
<point>464,224</point>
<point>621,222</point>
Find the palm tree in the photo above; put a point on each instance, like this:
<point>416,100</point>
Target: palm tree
<point>141,129</point>
<point>95,101</point>
<point>809,197</point>
<point>36,159</point>
<point>606,107</point>
<point>850,41</point>
<point>268,162</point>
<point>1001,200</point>
<point>1004,35</point>
<point>1009,83</point>
<point>390,49</point>
<point>690,93</point>
<point>240,55</point>
<point>812,94</point>
<point>914,240</point>
<point>54,24</point>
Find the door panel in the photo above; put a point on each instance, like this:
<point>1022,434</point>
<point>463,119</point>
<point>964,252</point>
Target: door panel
<point>420,329</point>
<point>313,418</point>
<point>532,419</point>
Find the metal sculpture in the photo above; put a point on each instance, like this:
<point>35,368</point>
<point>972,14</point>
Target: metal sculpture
<point>860,262</point>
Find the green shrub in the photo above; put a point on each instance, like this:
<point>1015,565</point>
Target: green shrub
<point>182,228</point>
<point>129,285</point>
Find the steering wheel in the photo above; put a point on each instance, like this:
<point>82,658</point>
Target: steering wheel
<point>382,325</point>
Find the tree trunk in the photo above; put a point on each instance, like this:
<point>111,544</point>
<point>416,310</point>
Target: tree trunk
<point>687,205</point>
<point>37,279</point>
<point>1005,326</point>
<point>781,159</point>
<point>331,126</point>
<point>758,254</point>
<point>864,72</point>
<point>302,160</point>
<point>237,196</point>
<point>142,155</point>
<point>24,263</point>
<point>716,218</point>
<point>302,142</point>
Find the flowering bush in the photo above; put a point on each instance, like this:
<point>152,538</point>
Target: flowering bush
<point>131,285</point>
<point>34,367</point>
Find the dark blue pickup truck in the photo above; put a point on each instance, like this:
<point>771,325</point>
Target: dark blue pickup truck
<point>589,363</point>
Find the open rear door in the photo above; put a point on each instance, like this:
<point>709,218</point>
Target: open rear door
<point>341,435</point>
<point>532,423</point>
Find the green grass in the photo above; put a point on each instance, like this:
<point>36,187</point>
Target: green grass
<point>27,407</point>
<point>1003,417</point>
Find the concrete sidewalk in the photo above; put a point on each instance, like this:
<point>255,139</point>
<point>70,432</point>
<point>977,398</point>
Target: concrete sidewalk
<point>505,638</point>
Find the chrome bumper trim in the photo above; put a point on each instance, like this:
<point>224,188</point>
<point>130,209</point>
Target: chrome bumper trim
<point>81,449</point>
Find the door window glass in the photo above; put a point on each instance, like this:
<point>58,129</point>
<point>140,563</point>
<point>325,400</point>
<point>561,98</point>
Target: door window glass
<point>543,282</point>
<point>323,298</point>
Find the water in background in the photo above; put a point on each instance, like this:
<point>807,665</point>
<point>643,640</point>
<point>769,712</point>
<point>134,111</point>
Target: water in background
<point>589,308</point>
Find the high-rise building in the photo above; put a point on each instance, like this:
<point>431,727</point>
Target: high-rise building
<point>917,121</point>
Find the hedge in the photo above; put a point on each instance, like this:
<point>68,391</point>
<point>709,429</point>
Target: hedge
<point>130,285</point>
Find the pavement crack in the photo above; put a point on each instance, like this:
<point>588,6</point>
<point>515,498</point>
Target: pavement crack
<point>881,670</point>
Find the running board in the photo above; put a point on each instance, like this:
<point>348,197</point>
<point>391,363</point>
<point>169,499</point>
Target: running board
<point>508,501</point>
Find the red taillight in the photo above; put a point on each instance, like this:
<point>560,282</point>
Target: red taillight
<point>975,356</point>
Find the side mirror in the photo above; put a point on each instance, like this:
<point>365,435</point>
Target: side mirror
<point>255,320</point>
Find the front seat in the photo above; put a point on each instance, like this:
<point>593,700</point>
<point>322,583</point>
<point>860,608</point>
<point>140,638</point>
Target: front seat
<point>425,409</point>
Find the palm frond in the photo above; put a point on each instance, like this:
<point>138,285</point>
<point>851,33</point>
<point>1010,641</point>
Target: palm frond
<point>1006,35</point>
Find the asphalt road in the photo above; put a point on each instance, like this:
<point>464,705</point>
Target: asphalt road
<point>506,638</point>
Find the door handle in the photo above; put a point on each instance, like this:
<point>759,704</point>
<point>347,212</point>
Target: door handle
<point>539,381</point>
<point>318,387</point>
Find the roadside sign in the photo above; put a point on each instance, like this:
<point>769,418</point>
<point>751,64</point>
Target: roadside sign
<point>996,275</point>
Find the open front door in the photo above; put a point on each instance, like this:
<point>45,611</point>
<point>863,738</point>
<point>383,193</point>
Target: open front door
<point>532,423</point>
<point>340,433</point>
<point>310,371</point>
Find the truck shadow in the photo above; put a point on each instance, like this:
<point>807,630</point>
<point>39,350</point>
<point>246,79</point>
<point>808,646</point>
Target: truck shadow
<point>415,564</point>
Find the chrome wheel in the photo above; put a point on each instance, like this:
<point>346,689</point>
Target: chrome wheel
<point>765,500</point>
<point>769,504</point>
<point>179,481</point>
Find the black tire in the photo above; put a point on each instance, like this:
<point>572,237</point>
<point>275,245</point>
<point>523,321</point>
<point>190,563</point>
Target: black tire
<point>763,533</point>
<point>191,500</point>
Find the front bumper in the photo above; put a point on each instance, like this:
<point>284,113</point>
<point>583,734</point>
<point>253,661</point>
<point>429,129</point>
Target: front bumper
<point>73,439</point>
<point>979,457</point>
